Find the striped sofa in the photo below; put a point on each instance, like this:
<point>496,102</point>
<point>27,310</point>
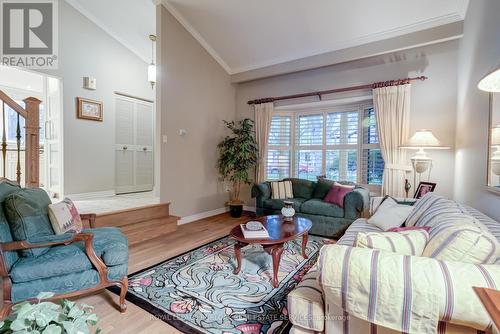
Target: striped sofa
<point>358,290</point>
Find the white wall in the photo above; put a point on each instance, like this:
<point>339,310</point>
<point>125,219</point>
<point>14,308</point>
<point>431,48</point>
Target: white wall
<point>195,94</point>
<point>87,50</point>
<point>479,52</point>
<point>433,102</point>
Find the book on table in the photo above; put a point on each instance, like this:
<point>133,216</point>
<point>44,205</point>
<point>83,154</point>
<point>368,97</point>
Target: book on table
<point>254,234</point>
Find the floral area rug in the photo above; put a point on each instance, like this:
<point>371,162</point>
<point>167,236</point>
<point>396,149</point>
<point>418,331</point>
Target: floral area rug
<point>197,292</point>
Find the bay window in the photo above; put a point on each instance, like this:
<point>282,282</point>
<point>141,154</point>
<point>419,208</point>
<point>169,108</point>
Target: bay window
<point>339,142</point>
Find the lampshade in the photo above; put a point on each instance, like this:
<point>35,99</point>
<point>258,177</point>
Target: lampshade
<point>495,136</point>
<point>424,139</point>
<point>491,81</point>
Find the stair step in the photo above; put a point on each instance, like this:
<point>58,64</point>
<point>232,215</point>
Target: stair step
<point>133,215</point>
<point>140,232</point>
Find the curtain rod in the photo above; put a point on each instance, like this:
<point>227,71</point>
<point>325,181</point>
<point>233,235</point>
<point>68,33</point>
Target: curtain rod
<point>339,90</point>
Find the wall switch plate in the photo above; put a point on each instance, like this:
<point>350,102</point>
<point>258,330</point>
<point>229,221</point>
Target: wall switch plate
<point>90,83</point>
<point>164,139</point>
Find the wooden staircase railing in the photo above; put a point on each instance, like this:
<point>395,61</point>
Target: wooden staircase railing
<point>31,115</point>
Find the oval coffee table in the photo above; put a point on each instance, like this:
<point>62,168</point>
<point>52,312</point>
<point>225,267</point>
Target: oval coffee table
<point>280,231</point>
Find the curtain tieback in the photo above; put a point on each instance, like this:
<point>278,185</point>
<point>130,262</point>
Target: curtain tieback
<point>399,167</point>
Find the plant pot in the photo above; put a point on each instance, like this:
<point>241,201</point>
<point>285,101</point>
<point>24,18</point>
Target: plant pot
<point>236,210</point>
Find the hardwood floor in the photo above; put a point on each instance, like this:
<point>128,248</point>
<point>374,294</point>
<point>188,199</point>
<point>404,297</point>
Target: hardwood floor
<point>187,237</point>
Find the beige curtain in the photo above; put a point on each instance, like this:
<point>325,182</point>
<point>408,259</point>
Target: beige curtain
<point>392,106</point>
<point>263,116</point>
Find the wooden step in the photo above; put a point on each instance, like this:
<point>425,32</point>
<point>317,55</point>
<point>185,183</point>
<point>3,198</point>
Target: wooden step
<point>142,223</point>
<point>141,232</point>
<point>132,215</point>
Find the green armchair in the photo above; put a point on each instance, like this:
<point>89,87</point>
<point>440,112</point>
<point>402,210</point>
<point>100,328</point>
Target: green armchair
<point>67,265</point>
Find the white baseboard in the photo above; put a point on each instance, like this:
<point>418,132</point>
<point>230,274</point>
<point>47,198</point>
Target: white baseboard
<point>206,214</point>
<point>92,195</point>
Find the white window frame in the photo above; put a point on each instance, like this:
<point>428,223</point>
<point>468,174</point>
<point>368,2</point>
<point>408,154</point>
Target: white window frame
<point>360,146</point>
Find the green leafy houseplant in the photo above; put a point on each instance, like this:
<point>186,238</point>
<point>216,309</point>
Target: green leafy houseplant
<point>49,318</point>
<point>237,157</point>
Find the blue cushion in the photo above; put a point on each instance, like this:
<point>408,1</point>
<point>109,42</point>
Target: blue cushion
<point>27,213</point>
<point>318,207</point>
<point>57,261</point>
<point>110,244</point>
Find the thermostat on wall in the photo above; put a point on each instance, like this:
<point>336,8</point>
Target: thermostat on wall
<point>90,83</point>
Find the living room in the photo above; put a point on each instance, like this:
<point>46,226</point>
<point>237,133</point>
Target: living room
<point>210,167</point>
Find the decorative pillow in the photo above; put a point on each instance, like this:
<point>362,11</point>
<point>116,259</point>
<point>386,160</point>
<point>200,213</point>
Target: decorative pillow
<point>27,213</point>
<point>463,243</point>
<point>406,242</point>
<point>281,190</point>
<point>423,207</point>
<point>390,214</point>
<point>64,217</point>
<point>337,193</point>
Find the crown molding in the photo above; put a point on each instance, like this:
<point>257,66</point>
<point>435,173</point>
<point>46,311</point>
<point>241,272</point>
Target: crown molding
<point>100,24</point>
<point>182,20</point>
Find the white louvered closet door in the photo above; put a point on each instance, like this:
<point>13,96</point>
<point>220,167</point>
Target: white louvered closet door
<point>133,145</point>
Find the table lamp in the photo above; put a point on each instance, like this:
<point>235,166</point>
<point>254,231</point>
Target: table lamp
<point>421,162</point>
<point>495,142</point>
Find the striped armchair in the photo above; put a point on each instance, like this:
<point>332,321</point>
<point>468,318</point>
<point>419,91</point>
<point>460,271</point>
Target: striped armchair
<point>358,290</point>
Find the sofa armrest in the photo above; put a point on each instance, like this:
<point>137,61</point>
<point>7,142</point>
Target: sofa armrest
<point>356,202</point>
<point>55,240</point>
<point>261,192</point>
<point>405,293</point>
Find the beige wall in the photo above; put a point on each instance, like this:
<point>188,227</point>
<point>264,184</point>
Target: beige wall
<point>196,95</point>
<point>479,52</point>
<point>433,101</point>
<point>87,50</point>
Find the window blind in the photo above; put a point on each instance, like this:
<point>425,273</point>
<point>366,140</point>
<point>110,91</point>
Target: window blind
<point>278,155</point>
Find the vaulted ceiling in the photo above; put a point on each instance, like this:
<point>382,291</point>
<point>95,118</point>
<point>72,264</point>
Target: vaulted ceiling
<point>243,35</point>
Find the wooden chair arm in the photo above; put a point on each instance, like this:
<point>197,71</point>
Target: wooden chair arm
<point>79,237</point>
<point>90,217</point>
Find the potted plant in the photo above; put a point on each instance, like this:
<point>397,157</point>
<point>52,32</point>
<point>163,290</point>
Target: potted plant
<point>49,318</point>
<point>237,157</point>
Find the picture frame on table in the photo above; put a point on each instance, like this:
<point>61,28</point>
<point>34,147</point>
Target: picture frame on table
<point>424,188</point>
<point>89,109</point>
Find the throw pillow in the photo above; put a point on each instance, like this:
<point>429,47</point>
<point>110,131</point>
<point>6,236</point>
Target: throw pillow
<point>390,214</point>
<point>27,213</point>
<point>463,243</point>
<point>281,190</point>
<point>406,242</point>
<point>64,217</point>
<point>337,193</point>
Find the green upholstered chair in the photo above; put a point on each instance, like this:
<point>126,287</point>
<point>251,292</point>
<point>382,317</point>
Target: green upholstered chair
<point>328,220</point>
<point>33,259</point>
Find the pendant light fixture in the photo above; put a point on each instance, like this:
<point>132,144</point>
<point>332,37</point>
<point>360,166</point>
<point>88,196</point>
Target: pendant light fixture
<point>152,66</point>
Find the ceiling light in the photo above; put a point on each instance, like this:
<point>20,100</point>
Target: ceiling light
<point>152,66</point>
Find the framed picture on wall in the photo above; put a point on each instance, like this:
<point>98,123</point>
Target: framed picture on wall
<point>89,109</point>
<point>424,188</point>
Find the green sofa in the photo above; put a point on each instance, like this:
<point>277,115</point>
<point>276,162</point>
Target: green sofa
<point>328,220</point>
<point>33,259</point>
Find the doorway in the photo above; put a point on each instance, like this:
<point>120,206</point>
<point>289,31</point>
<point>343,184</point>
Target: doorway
<point>20,84</point>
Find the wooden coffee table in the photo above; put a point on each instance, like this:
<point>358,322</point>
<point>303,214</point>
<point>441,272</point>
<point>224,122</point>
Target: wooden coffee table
<point>280,231</point>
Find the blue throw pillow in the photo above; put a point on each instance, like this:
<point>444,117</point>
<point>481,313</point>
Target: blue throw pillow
<point>27,213</point>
